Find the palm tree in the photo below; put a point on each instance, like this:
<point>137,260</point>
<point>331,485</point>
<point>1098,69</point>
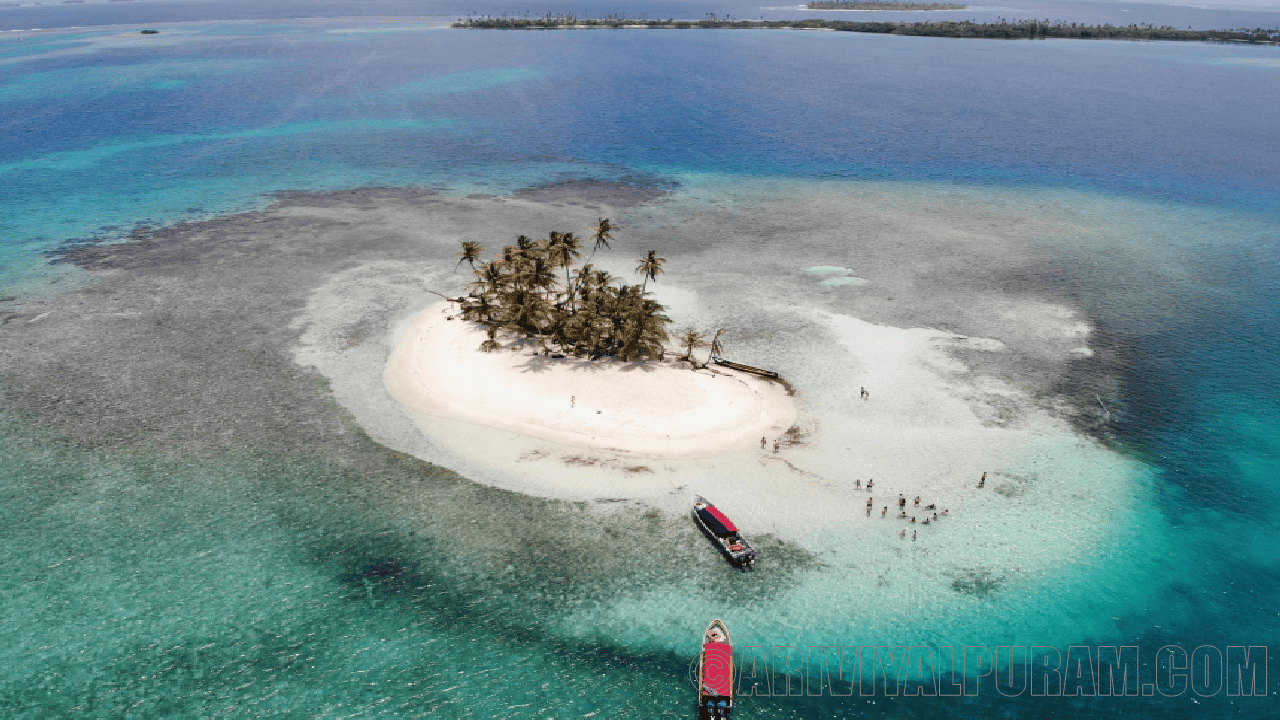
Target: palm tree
<point>600,279</point>
<point>690,340</point>
<point>639,327</point>
<point>526,310</point>
<point>602,235</point>
<point>597,331</point>
<point>580,287</point>
<point>562,250</point>
<point>716,346</point>
<point>541,275</point>
<point>492,342</point>
<point>488,279</point>
<point>470,253</point>
<point>651,267</point>
<point>646,332</point>
<point>478,309</point>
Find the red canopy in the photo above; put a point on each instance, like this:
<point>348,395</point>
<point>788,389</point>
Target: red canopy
<point>720,517</point>
<point>717,669</point>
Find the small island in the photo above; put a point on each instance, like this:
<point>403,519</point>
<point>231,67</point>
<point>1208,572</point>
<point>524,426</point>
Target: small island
<point>583,362</point>
<point>889,6</point>
<point>1000,30</point>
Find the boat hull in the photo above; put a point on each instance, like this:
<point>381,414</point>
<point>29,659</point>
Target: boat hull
<point>735,550</point>
<point>715,673</point>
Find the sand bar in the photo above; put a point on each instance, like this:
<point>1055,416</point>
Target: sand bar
<point>635,409</point>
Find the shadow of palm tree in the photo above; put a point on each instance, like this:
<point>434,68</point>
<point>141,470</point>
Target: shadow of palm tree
<point>540,364</point>
<point>628,367</point>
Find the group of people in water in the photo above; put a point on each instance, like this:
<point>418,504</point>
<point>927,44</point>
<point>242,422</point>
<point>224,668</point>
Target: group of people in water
<point>931,512</point>
<point>902,513</point>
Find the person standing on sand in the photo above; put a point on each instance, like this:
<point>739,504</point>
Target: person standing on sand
<point>917,501</point>
<point>870,482</point>
<point>858,484</point>
<point>983,481</point>
<point>762,443</point>
<point>868,507</point>
<point>902,502</point>
<point>885,511</point>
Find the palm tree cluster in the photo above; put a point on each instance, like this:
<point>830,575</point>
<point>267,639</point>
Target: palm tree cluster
<point>590,313</point>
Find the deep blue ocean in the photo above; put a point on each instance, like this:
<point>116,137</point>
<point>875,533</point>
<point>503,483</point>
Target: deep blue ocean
<point>241,101</point>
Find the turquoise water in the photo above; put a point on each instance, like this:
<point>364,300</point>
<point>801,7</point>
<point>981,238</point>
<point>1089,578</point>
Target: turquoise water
<point>142,587</point>
<point>140,582</point>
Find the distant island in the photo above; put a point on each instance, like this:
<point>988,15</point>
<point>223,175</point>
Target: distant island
<point>891,6</point>
<point>1004,30</point>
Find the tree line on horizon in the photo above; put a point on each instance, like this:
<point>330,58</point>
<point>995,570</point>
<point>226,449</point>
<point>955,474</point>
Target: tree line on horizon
<point>1001,29</point>
<point>592,313</point>
<point>875,5</point>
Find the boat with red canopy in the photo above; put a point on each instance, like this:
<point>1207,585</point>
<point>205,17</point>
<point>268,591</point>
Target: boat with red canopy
<point>715,673</point>
<point>721,531</point>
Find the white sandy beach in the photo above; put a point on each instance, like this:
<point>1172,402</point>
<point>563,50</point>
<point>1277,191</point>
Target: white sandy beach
<point>653,410</point>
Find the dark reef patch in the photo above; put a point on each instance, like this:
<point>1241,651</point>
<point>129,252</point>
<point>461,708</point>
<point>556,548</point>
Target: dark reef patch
<point>367,197</point>
<point>978,582</point>
<point>596,192</point>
